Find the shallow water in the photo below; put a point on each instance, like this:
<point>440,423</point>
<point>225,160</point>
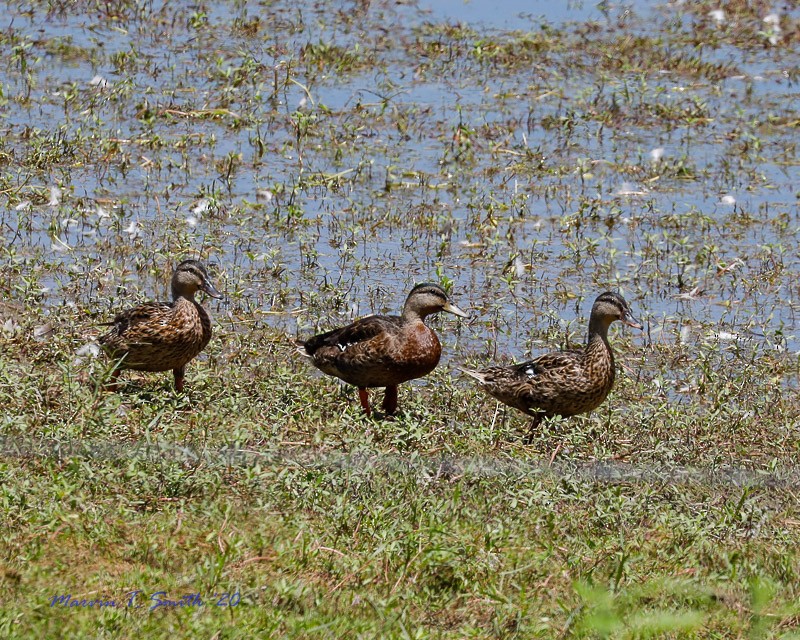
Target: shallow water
<point>323,185</point>
<point>529,14</point>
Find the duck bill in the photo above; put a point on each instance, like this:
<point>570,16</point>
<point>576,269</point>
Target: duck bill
<point>632,322</point>
<point>451,308</point>
<point>211,290</point>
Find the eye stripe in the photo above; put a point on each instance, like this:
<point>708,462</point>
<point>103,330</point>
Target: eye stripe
<point>194,267</point>
<point>430,288</point>
<point>614,298</point>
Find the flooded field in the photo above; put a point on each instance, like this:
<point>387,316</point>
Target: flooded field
<point>323,157</point>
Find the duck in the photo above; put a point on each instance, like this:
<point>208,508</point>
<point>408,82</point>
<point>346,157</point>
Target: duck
<point>384,351</point>
<point>163,336</point>
<point>562,383</point>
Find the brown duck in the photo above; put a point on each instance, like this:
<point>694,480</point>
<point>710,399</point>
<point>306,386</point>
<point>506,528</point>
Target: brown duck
<point>384,351</point>
<point>562,383</point>
<point>163,336</point>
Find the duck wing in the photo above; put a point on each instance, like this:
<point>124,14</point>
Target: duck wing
<point>559,362</point>
<point>534,386</point>
<point>137,323</point>
<point>353,336</point>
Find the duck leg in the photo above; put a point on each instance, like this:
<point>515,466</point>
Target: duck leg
<point>537,420</point>
<point>363,396</point>
<point>113,384</point>
<point>390,400</point>
<point>179,378</point>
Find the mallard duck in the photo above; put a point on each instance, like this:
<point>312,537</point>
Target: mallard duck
<point>159,336</point>
<point>384,351</point>
<point>563,383</point>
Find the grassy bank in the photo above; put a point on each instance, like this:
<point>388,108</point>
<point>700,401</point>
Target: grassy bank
<point>322,162</point>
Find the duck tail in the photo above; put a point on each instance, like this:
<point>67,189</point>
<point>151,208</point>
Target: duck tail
<point>301,348</point>
<point>472,373</point>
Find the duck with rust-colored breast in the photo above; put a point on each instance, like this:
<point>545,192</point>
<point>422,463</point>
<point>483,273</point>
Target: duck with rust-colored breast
<point>163,336</point>
<point>564,383</point>
<point>384,351</point>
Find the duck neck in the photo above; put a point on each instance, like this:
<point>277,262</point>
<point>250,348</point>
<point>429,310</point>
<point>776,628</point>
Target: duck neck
<point>177,294</point>
<point>411,315</point>
<point>598,337</point>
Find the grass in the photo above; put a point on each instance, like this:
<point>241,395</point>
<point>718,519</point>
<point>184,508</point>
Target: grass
<point>264,480</point>
<point>322,163</point>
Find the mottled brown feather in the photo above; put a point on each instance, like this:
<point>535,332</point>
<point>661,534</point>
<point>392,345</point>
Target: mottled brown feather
<point>563,383</point>
<point>158,336</point>
<point>384,351</point>
<point>377,351</point>
<point>164,336</point>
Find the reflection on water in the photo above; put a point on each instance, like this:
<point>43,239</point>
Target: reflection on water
<point>528,14</point>
<point>326,163</point>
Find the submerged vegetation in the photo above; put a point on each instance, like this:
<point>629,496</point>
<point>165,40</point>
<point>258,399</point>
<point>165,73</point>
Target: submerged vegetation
<point>321,158</point>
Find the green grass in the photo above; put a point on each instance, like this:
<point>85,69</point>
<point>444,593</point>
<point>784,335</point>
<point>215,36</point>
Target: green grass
<point>265,480</point>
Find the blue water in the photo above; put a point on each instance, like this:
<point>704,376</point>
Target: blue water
<point>526,255</point>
